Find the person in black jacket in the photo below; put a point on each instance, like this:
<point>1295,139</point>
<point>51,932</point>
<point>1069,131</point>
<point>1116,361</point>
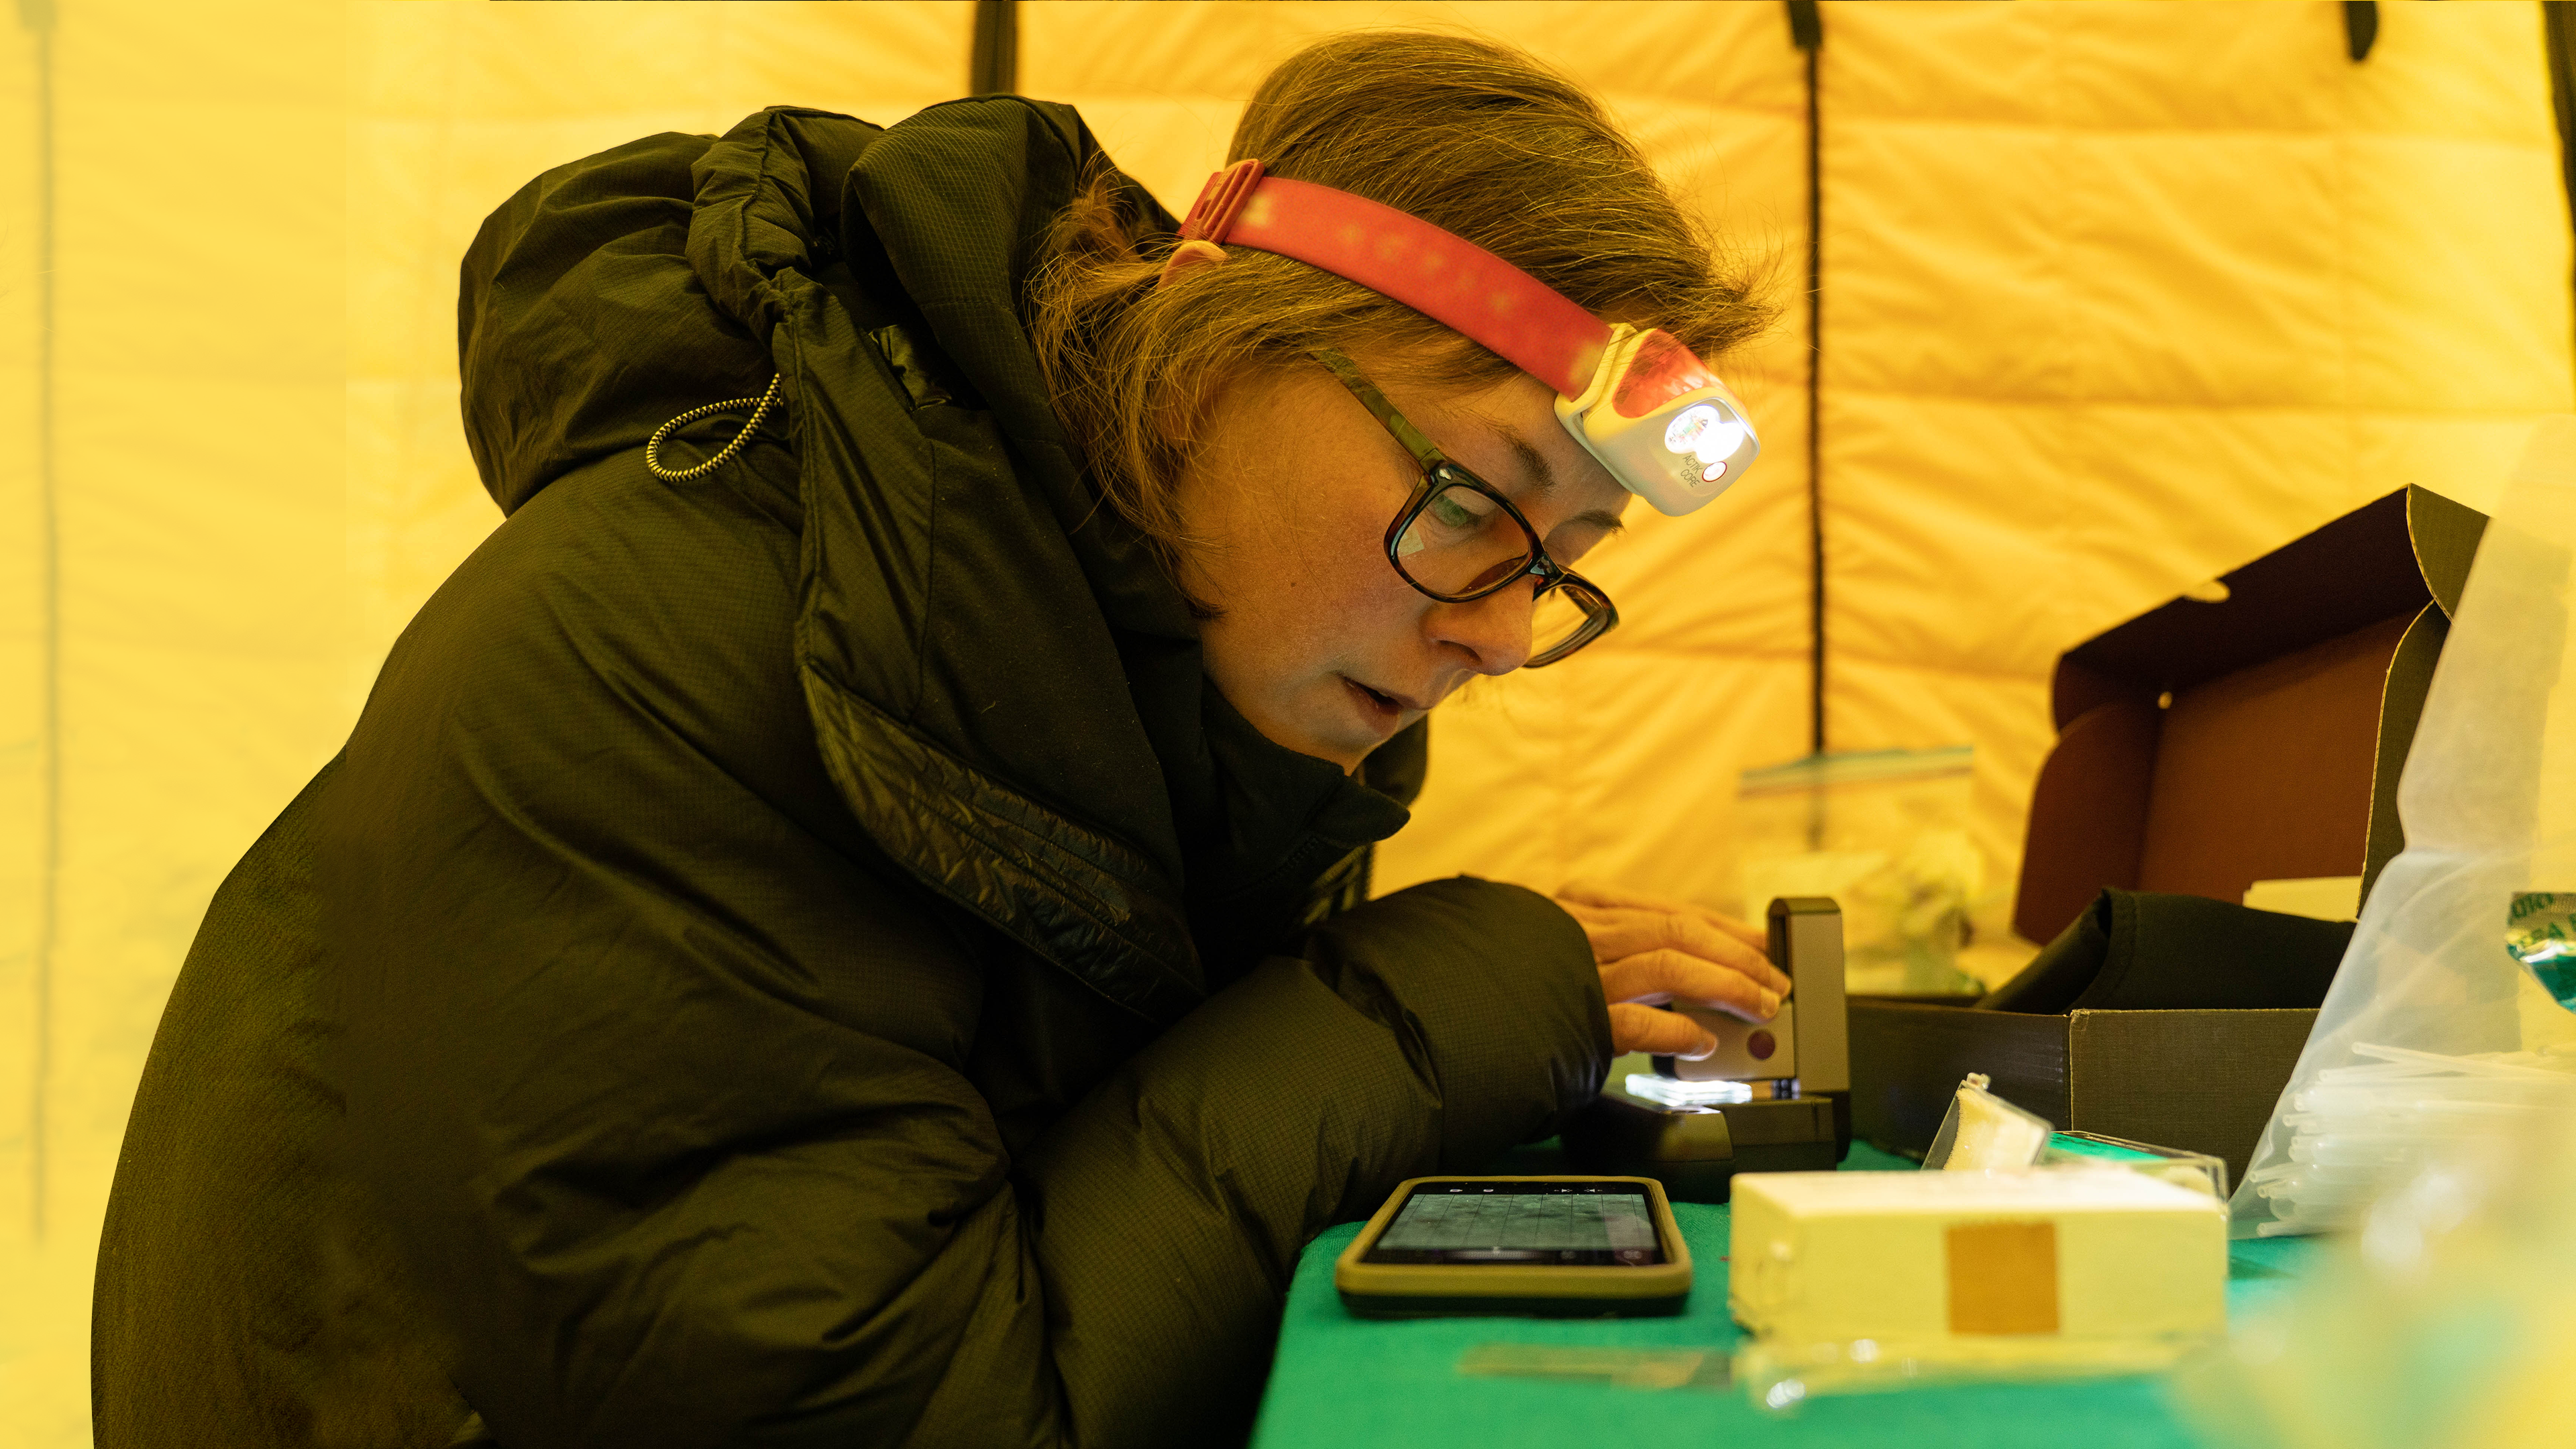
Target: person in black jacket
<point>868,943</point>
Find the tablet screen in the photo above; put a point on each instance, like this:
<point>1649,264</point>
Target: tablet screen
<point>1573,1224</point>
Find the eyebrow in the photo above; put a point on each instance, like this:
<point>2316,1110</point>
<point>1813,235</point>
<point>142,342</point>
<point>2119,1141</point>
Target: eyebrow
<point>1541,477</point>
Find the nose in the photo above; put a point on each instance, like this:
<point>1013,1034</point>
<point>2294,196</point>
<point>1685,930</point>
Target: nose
<point>1492,632</point>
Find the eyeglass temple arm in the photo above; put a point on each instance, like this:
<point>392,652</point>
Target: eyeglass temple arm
<point>1423,450</point>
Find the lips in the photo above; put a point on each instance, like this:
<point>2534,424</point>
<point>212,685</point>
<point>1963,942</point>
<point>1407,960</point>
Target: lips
<point>1384,710</point>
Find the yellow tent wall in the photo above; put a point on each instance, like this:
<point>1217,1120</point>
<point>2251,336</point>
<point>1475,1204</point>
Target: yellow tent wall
<point>261,472</point>
<point>2116,297</point>
<point>194,603</point>
<point>2121,296</point>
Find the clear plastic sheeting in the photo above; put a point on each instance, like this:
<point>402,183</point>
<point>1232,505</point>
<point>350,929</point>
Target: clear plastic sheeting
<point>1781,1376</point>
<point>1982,1132</point>
<point>2440,1028</point>
<point>2354,1126</point>
<point>2195,1170</point>
<point>2446,1322</point>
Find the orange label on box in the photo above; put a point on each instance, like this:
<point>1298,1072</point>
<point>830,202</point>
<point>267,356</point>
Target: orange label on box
<point>2003,1277</point>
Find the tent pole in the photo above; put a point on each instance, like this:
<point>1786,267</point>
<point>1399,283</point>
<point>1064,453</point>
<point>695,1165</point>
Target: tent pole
<point>2360,28</point>
<point>993,66</point>
<point>1807,32</point>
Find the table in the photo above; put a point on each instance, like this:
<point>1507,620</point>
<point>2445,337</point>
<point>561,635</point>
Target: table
<point>1348,1383</point>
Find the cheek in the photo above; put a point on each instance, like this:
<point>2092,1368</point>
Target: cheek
<point>1333,605</point>
<point>1354,591</point>
<point>1332,601</point>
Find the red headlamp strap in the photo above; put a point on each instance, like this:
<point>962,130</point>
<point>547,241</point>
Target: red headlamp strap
<point>1441,275</point>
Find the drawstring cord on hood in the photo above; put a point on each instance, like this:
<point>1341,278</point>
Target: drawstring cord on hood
<point>653,444</point>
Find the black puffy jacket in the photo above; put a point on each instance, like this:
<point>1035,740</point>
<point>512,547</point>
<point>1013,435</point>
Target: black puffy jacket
<point>799,956</point>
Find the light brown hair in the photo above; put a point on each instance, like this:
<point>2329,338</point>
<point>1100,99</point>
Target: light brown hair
<point>1472,136</point>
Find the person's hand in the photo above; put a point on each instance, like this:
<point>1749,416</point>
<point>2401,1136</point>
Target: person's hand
<point>1653,950</point>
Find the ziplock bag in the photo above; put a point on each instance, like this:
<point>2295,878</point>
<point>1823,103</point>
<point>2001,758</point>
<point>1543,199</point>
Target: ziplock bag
<point>1886,834</point>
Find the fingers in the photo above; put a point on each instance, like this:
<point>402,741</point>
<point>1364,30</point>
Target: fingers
<point>1669,975</point>
<point>1604,894</point>
<point>1617,932</point>
<point>1664,1033</point>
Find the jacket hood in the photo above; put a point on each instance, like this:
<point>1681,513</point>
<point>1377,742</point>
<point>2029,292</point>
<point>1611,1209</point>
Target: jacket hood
<point>1006,688</point>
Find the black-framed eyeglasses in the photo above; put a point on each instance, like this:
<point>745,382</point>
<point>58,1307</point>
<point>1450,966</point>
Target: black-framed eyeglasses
<point>1458,539</point>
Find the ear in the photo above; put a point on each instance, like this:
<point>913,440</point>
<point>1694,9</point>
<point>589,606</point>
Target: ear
<point>1190,254</point>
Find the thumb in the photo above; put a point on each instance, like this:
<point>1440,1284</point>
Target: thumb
<point>1635,1028</point>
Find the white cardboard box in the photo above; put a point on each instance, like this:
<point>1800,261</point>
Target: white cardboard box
<point>1829,1257</point>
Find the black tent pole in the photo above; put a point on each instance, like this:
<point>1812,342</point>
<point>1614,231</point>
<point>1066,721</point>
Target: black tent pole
<point>2360,28</point>
<point>993,66</point>
<point>1807,32</point>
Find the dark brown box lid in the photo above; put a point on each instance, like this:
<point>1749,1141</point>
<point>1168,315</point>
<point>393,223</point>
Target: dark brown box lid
<point>2255,733</point>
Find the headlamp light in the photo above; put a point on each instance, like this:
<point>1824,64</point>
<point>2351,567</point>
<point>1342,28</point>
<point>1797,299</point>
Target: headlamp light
<point>1653,414</point>
<point>1661,422</point>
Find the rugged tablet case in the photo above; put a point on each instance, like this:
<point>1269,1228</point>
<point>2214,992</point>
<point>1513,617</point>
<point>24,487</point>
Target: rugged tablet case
<point>1380,1290</point>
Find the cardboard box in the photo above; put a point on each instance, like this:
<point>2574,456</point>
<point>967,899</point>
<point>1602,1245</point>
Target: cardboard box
<point>2251,730</point>
<point>2203,1081</point>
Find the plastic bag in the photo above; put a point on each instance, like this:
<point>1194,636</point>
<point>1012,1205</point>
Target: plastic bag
<point>1886,834</point>
<point>2439,1025</point>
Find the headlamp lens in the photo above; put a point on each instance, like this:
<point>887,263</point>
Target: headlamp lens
<point>1686,427</point>
<point>1706,432</point>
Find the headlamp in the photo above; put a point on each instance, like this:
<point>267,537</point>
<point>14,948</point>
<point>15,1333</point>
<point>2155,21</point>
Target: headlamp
<point>1653,414</point>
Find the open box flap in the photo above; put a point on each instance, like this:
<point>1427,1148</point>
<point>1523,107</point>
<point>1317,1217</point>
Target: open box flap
<point>2255,732</point>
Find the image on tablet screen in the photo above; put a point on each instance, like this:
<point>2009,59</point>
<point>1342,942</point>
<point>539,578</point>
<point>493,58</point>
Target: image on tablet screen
<point>1521,1223</point>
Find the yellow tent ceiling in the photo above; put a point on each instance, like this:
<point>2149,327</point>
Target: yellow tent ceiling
<point>2115,297</point>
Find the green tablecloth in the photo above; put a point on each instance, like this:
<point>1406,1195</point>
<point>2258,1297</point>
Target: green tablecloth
<point>1348,1383</point>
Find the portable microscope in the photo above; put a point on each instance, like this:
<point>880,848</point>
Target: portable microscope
<point>1774,1097</point>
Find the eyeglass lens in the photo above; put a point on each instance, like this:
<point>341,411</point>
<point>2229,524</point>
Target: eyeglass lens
<point>1559,619</point>
<point>1462,543</point>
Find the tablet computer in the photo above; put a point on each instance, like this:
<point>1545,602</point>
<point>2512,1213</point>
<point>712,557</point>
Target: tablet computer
<point>1550,1247</point>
